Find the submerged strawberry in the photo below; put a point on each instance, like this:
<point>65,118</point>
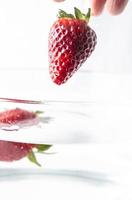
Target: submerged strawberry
<point>16,115</point>
<point>12,151</point>
<point>71,42</point>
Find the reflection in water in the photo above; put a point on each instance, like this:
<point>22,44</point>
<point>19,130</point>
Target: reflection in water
<point>80,175</point>
<point>46,119</point>
<point>25,124</point>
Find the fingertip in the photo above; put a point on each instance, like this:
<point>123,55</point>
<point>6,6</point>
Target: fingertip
<point>97,6</point>
<point>96,12</point>
<point>116,7</point>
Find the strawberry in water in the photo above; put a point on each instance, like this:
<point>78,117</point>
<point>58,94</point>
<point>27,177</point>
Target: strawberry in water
<point>71,42</point>
<point>12,151</point>
<point>16,115</point>
<point>18,118</point>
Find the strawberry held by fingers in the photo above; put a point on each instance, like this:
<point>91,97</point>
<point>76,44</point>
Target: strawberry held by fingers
<point>71,42</point>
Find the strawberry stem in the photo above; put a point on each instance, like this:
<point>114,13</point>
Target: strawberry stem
<point>77,14</point>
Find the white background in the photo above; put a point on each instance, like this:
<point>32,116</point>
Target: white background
<point>24,27</point>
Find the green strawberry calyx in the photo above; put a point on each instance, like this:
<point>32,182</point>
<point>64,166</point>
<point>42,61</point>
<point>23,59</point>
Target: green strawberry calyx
<point>38,112</point>
<point>77,14</point>
<point>41,148</point>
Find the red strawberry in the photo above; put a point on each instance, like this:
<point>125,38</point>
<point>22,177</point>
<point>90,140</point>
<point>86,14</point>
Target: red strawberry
<point>11,151</point>
<point>71,42</point>
<point>16,115</point>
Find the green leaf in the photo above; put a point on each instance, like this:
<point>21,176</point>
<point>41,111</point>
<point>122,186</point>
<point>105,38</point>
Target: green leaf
<point>78,13</point>
<point>88,15</point>
<point>38,112</point>
<point>63,14</point>
<point>31,156</point>
<point>43,147</point>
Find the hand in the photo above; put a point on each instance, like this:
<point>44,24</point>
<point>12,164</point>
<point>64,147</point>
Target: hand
<point>114,7</point>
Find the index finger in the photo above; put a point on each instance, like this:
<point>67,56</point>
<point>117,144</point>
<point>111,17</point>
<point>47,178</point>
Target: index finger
<point>97,6</point>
